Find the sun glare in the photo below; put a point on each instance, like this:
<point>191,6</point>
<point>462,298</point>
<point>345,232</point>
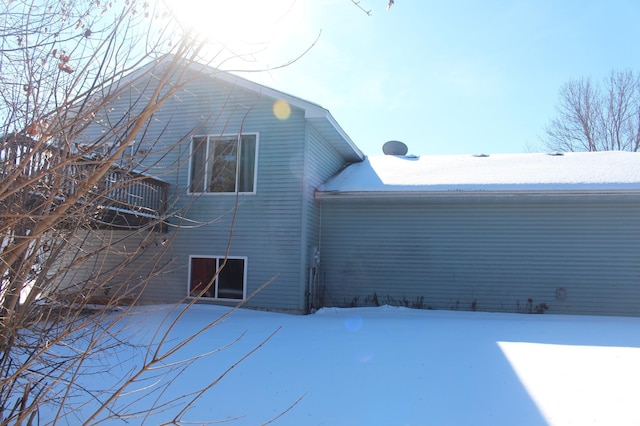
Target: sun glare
<point>242,26</point>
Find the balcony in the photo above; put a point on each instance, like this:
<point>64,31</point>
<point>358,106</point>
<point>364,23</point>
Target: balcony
<point>126,198</point>
<point>42,178</point>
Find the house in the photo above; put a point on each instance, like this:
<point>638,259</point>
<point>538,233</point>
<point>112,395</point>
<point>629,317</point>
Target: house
<point>267,187</point>
<point>242,163</point>
<point>512,233</point>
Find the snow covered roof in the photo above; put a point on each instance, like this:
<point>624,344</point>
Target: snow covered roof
<point>611,171</point>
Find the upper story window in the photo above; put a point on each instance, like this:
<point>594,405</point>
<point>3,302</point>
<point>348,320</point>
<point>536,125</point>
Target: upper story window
<point>223,164</point>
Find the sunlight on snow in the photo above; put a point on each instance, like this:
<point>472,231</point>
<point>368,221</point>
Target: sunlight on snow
<point>565,380</point>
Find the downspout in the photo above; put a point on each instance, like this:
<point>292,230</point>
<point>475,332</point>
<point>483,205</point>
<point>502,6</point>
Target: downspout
<point>314,270</point>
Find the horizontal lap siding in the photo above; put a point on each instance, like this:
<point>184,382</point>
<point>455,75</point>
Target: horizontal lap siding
<point>322,162</point>
<point>575,257</point>
<point>121,261</point>
<point>268,225</point>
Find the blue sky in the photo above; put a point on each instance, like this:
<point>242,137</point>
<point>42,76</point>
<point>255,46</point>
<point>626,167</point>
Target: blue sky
<point>444,77</point>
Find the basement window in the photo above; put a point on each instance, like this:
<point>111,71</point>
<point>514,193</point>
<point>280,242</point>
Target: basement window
<point>217,277</point>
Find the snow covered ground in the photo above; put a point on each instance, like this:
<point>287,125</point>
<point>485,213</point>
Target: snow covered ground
<point>397,366</point>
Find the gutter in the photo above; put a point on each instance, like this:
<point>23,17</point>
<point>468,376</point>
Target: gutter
<point>478,195</point>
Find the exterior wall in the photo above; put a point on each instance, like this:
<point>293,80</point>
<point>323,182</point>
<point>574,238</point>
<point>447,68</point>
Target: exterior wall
<point>125,266</point>
<point>322,161</point>
<point>273,228</point>
<point>576,256</point>
<point>266,227</point>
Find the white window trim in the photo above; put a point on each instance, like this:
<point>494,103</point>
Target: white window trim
<point>224,135</point>
<point>208,256</point>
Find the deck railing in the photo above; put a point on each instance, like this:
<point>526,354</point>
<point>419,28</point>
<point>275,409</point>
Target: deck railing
<point>121,190</point>
<point>132,192</point>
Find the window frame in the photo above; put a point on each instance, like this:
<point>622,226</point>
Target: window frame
<point>215,286</point>
<point>238,137</point>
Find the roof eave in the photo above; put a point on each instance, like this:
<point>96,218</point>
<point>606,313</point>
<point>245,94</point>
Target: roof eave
<point>319,117</point>
<point>331,130</point>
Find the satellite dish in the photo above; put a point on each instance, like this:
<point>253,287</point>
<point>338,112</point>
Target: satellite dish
<point>394,148</point>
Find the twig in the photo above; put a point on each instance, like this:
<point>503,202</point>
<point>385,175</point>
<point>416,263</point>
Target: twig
<point>357,3</point>
<point>287,410</point>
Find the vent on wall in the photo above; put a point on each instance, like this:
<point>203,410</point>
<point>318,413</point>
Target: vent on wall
<point>394,148</point>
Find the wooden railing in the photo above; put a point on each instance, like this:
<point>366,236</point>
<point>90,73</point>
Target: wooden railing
<point>132,192</point>
<point>121,192</point>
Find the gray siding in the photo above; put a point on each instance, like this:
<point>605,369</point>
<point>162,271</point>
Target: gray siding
<point>577,257</point>
<point>266,227</point>
<point>121,262</point>
<point>273,228</point>
<point>322,162</point>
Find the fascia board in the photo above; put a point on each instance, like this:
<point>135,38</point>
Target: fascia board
<point>312,112</point>
<point>478,195</point>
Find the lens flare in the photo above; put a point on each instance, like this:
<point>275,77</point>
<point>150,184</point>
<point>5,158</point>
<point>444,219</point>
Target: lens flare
<point>353,323</point>
<point>281,110</point>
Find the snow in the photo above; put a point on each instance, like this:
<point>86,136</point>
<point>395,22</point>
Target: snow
<point>593,171</point>
<point>398,366</point>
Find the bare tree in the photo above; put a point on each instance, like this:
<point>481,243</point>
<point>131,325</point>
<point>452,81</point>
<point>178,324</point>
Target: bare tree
<point>597,117</point>
<point>64,195</point>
